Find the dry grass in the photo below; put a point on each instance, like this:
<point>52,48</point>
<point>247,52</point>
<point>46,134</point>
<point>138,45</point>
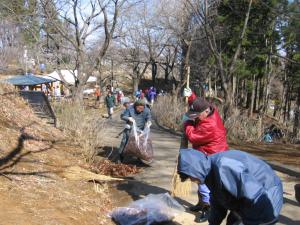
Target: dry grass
<point>243,128</point>
<point>17,118</point>
<point>240,127</point>
<point>84,127</point>
<point>78,173</point>
<point>169,113</point>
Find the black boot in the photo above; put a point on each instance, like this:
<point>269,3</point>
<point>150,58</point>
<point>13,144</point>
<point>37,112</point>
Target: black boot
<point>200,205</point>
<point>203,215</point>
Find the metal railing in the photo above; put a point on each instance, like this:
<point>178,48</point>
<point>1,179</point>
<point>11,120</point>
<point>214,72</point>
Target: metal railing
<point>40,104</point>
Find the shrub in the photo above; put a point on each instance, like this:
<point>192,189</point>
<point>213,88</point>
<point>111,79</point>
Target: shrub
<point>84,127</point>
<point>168,112</point>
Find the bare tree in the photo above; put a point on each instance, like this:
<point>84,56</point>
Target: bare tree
<point>10,43</point>
<point>79,24</point>
<point>143,43</point>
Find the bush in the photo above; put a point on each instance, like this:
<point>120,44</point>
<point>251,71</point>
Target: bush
<point>84,127</point>
<point>239,127</point>
<point>243,128</point>
<point>168,112</point>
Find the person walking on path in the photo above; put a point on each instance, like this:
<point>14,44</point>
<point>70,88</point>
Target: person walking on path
<point>204,129</point>
<point>137,113</point>
<point>97,95</point>
<point>120,95</point>
<point>239,182</point>
<point>110,103</point>
<point>151,95</point>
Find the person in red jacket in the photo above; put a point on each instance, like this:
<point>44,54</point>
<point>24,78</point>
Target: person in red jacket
<point>204,129</point>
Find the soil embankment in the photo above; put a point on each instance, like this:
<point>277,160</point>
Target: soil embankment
<point>33,156</point>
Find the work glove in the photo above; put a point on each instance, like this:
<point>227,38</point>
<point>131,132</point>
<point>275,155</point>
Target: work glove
<point>148,124</point>
<point>187,92</point>
<point>127,126</point>
<point>130,119</point>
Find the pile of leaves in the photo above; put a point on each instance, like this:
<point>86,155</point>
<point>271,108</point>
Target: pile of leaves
<point>109,168</point>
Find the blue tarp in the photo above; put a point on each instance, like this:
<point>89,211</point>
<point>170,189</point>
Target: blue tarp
<point>27,80</point>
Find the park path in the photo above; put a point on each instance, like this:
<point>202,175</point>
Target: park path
<point>157,178</point>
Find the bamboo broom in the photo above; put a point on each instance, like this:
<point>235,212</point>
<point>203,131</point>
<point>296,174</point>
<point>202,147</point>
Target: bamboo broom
<point>182,189</point>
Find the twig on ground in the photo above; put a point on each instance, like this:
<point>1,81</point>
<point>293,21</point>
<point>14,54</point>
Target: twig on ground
<point>2,174</point>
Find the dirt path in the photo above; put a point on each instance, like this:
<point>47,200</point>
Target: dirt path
<point>157,178</point>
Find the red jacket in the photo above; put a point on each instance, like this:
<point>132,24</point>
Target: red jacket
<point>208,135</point>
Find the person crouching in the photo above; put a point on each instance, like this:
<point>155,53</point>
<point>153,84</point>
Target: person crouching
<point>238,182</point>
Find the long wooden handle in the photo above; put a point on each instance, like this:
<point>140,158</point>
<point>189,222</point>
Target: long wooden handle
<point>184,141</point>
<point>187,83</point>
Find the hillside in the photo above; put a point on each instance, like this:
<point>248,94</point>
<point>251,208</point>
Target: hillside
<point>33,156</point>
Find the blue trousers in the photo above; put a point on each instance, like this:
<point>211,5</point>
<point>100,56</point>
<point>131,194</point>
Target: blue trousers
<point>204,192</point>
<point>124,140</point>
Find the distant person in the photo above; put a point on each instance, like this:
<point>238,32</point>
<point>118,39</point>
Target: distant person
<point>146,91</point>
<point>120,95</point>
<point>142,95</point>
<point>137,94</point>
<point>126,104</point>
<point>42,67</point>
<point>110,103</point>
<point>97,94</point>
<point>44,89</point>
<point>151,95</point>
<point>109,88</point>
<point>57,93</point>
<point>137,113</point>
<point>239,182</point>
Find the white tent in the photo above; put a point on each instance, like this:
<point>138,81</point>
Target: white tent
<point>68,75</point>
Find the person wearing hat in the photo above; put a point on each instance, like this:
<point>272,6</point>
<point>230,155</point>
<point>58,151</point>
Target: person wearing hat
<point>239,182</point>
<point>138,114</point>
<point>204,129</point>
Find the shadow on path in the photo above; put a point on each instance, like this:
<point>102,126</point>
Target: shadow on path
<point>137,190</point>
<point>285,220</point>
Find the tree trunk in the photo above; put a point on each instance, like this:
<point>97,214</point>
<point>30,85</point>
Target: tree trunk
<point>297,117</point>
<point>135,84</point>
<point>256,95</point>
<point>285,104</point>
<point>209,85</point>
<point>167,74</point>
<point>248,100</point>
<point>261,92</point>
<point>154,72</point>
<point>289,108</point>
<point>267,79</point>
<point>216,92</point>
<point>245,94</point>
<point>234,91</point>
<point>77,94</point>
<point>252,96</point>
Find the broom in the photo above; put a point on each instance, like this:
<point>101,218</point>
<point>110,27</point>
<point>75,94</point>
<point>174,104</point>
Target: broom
<point>179,188</point>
